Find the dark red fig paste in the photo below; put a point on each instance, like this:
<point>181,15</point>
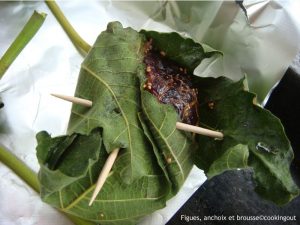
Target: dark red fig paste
<point>171,84</point>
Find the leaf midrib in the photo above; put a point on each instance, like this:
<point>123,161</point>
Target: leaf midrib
<point>92,73</point>
<point>83,195</point>
<point>166,142</point>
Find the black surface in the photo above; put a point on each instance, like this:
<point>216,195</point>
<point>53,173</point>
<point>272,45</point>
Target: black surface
<point>232,193</point>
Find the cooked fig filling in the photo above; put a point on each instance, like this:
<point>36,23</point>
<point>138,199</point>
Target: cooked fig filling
<point>170,84</point>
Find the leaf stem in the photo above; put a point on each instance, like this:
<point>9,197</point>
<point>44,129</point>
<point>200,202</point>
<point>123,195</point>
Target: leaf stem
<point>27,33</point>
<point>30,177</point>
<point>73,35</point>
<point>20,168</point>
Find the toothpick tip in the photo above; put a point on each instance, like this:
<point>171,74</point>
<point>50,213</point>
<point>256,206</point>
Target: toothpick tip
<point>104,174</point>
<point>55,95</point>
<point>91,201</point>
<point>75,100</point>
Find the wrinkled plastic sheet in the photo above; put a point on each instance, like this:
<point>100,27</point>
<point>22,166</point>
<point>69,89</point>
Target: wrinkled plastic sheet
<point>260,43</point>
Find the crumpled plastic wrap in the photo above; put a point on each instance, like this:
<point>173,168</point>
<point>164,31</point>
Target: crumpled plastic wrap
<point>261,45</point>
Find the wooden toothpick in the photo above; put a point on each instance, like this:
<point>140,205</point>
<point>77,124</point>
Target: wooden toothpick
<point>199,130</point>
<point>179,125</point>
<point>104,173</point>
<point>75,100</point>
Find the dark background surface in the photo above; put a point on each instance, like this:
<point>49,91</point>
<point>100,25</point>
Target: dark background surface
<point>232,193</point>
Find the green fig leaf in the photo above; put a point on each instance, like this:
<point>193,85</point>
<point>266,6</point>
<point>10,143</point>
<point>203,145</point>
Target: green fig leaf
<point>225,106</point>
<point>175,147</point>
<point>185,51</point>
<point>70,186</point>
<point>108,78</point>
<point>235,157</point>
